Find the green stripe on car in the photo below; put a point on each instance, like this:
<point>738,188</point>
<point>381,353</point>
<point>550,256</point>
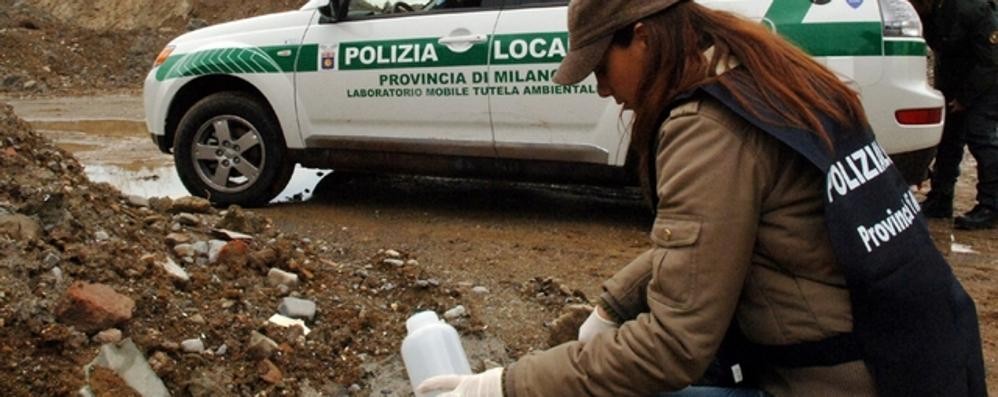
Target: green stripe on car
<point>272,59</point>
<point>905,48</point>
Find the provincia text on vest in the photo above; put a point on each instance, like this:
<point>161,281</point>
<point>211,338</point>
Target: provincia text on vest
<point>896,222</point>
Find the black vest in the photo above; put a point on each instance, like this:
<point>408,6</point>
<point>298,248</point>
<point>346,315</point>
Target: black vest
<point>913,324</point>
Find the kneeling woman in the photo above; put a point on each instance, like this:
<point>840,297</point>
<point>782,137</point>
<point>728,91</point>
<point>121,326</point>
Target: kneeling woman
<point>764,227</point>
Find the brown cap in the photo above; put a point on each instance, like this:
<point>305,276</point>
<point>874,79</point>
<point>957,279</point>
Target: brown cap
<point>591,25</point>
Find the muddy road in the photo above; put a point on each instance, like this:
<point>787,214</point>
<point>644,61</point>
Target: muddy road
<point>495,235</point>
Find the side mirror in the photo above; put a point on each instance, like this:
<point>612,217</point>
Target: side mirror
<point>335,11</point>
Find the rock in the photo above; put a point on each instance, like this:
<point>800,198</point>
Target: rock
<point>196,23</point>
<point>192,345</point>
<point>127,362</point>
<point>174,239</point>
<point>480,290</point>
<point>242,221</point>
<point>137,201</point>
<point>202,248</point>
<point>412,262</point>
<point>455,313</point>
<point>269,372</point>
<point>101,235</point>
<point>187,219</point>
<point>222,350</point>
<point>354,388</point>
<point>198,319</point>
<point>94,307</point>
<point>264,258</point>
<point>20,227</point>
<point>260,346</point>
<point>57,274</point>
<point>161,204</point>
<point>52,259</point>
<point>208,384</point>
<point>297,308</point>
<point>286,322</point>
<point>276,277</point>
<point>235,253</point>
<point>189,204</point>
<point>394,262</point>
<point>185,250</point>
<point>112,335</point>
<point>174,270</point>
<point>214,249</point>
<point>30,84</point>
<point>162,364</point>
<point>393,254</point>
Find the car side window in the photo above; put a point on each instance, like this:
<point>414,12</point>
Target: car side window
<point>373,8</point>
<point>534,3</point>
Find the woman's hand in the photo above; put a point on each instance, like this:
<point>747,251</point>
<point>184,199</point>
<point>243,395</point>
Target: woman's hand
<point>485,384</point>
<point>596,323</point>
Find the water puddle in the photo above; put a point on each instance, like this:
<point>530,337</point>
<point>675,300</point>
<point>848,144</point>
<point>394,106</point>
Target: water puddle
<point>120,153</point>
<point>164,181</point>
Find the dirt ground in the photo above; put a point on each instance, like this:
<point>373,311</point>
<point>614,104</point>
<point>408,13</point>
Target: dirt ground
<point>464,233</point>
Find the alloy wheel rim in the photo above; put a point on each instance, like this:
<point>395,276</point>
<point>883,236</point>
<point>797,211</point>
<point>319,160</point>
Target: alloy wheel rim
<point>228,154</point>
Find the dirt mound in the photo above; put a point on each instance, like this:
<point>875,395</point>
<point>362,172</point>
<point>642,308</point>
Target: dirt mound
<point>57,47</point>
<point>202,295</point>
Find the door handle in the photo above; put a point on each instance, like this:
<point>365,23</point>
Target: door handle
<point>471,38</point>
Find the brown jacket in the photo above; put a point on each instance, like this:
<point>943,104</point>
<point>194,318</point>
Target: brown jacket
<point>739,233</point>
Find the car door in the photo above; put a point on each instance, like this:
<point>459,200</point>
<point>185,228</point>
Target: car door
<point>400,77</point>
<point>534,118</point>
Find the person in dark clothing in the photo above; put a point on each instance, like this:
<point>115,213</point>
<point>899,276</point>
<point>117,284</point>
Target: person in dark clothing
<point>964,36</point>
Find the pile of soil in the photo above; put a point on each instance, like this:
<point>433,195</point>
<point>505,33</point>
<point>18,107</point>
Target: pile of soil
<point>57,228</point>
<point>56,47</point>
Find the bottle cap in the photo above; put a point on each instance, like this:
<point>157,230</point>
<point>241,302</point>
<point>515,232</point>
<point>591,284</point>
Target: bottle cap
<point>420,320</point>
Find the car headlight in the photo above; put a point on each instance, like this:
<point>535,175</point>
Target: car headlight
<point>163,55</point>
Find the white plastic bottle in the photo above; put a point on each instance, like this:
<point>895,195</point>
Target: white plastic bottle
<point>432,348</point>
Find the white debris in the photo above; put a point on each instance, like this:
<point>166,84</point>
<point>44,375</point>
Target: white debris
<point>215,248</point>
<point>193,345</point>
<point>393,254</point>
<point>278,277</point>
<point>962,249</point>
<point>480,290</point>
<point>230,235</point>
<point>457,312</point>
<point>394,262</point>
<point>282,321</point>
<point>174,270</point>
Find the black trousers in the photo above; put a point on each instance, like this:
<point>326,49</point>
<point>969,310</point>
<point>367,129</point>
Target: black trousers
<point>977,129</point>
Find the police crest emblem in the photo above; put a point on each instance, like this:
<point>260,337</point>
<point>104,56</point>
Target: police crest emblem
<point>327,58</point>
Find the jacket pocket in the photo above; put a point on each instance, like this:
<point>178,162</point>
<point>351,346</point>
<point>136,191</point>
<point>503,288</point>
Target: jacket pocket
<point>674,263</point>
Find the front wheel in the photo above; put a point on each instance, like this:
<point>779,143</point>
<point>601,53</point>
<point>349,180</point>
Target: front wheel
<point>230,150</point>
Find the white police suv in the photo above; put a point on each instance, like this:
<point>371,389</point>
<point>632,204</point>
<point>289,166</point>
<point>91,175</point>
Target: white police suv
<point>462,88</point>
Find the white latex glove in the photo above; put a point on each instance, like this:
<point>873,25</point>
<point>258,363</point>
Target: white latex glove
<point>485,384</point>
<point>594,325</point>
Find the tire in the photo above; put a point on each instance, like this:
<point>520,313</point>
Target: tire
<point>249,167</point>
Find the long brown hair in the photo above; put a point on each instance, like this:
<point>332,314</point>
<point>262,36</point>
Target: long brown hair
<point>792,84</point>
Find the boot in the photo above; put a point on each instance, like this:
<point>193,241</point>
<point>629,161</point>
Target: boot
<point>938,205</point>
<point>981,217</point>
